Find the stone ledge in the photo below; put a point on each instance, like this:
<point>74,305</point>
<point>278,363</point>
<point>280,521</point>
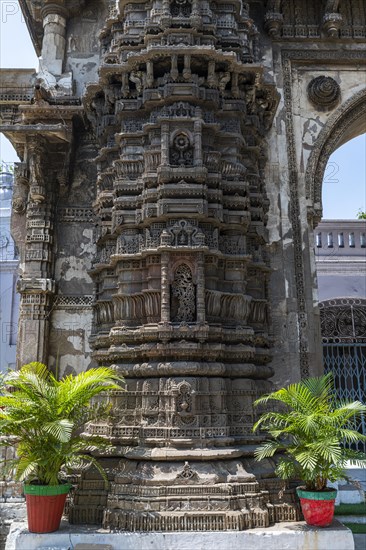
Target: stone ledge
<point>282,536</point>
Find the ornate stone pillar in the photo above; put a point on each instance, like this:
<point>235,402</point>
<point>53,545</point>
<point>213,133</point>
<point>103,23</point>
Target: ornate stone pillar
<point>36,284</point>
<point>174,67</point>
<point>34,323</point>
<point>201,307</point>
<point>165,288</point>
<point>149,73</point>
<point>164,144</point>
<point>187,67</point>
<point>198,143</point>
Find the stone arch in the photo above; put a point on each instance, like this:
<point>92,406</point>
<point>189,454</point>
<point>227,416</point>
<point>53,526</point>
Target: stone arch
<point>347,122</point>
<point>187,260</point>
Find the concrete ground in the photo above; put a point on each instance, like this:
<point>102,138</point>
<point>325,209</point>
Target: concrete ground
<point>360,542</point>
<point>284,536</point>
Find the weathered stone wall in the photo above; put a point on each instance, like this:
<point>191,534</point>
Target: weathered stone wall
<point>172,160</point>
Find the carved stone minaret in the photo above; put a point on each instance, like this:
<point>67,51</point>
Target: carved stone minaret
<point>181,112</point>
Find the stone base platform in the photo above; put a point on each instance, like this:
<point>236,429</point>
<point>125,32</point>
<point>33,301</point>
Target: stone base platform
<point>282,536</point>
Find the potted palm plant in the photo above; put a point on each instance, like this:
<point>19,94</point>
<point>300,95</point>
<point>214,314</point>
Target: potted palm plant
<point>311,430</point>
<point>43,418</point>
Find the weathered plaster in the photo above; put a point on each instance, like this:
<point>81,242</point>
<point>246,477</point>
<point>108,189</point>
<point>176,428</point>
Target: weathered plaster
<point>166,202</point>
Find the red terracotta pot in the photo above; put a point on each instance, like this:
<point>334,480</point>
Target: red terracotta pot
<point>317,506</point>
<point>45,504</point>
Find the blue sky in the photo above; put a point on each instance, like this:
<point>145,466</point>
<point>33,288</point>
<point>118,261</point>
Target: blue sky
<point>344,186</point>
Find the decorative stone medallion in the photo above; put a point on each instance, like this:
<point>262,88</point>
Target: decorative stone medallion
<point>324,91</point>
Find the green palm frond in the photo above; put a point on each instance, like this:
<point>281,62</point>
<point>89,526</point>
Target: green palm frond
<point>306,459</point>
<point>44,415</point>
<point>351,436</point>
<point>61,430</point>
<point>267,449</point>
<point>320,387</point>
<point>311,430</point>
<point>286,469</point>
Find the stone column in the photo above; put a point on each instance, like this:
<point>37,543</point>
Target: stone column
<point>198,143</point>
<point>36,284</point>
<point>211,75</point>
<point>235,84</point>
<point>165,288</point>
<point>201,311</point>
<point>165,18</point>
<point>54,37</point>
<point>187,67</point>
<point>164,144</point>
<point>149,73</point>
<point>34,322</point>
<point>174,67</point>
<point>125,88</point>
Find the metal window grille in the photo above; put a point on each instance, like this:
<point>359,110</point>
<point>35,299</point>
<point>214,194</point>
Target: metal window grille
<point>343,328</point>
<point>347,362</point>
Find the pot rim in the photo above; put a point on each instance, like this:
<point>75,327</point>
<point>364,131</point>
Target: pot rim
<point>328,494</point>
<point>47,490</point>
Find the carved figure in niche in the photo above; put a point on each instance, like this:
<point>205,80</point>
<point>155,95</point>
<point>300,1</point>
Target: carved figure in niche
<point>138,78</point>
<point>185,234</point>
<point>71,44</point>
<point>181,8</point>
<point>184,400</point>
<point>184,404</point>
<point>181,152</point>
<point>224,78</point>
<point>183,302</point>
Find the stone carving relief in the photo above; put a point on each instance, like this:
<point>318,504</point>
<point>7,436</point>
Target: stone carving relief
<point>324,91</point>
<point>331,19</point>
<point>178,124</point>
<point>187,475</point>
<point>183,295</point>
<point>181,150</point>
<point>21,188</point>
<point>137,308</point>
<point>181,8</point>
<point>183,233</point>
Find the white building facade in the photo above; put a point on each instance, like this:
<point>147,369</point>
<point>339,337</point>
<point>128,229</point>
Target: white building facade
<point>340,252</point>
<point>9,299</point>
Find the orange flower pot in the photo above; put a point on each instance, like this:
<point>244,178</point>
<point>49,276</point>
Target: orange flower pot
<point>45,505</point>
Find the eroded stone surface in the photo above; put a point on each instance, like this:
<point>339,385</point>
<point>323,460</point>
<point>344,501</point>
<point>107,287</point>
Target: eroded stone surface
<point>172,163</point>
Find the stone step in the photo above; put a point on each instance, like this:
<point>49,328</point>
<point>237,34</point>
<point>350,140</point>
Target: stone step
<point>282,536</point>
